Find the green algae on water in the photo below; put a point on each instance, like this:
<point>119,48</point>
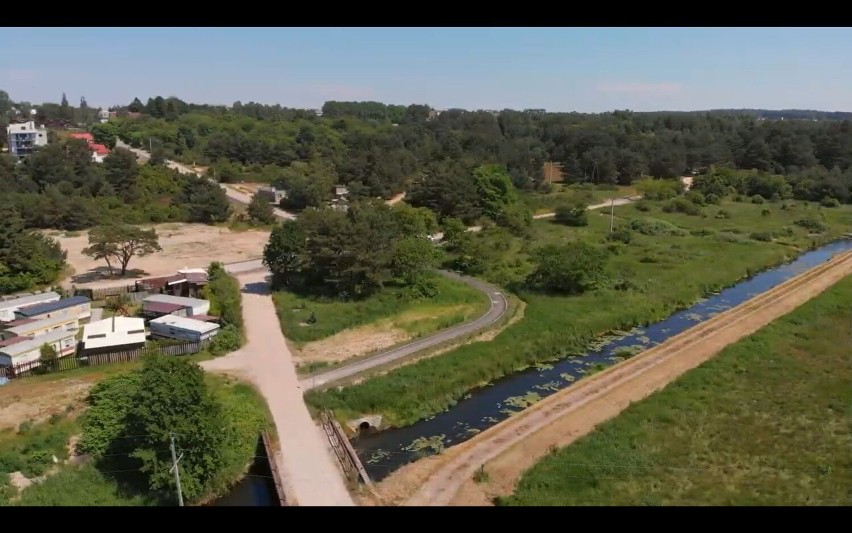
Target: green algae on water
<point>522,402</point>
<point>435,444</point>
<point>550,385</point>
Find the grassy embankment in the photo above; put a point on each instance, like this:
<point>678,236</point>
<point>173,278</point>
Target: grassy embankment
<point>658,274</point>
<point>562,194</point>
<point>766,422</point>
<point>30,449</point>
<point>455,302</point>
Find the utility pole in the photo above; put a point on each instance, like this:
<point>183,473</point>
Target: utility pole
<point>176,470</point>
<point>611,213</point>
<point>150,146</point>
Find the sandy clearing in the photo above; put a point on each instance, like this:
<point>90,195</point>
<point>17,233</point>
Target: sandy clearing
<point>379,335</point>
<point>184,245</point>
<point>350,343</point>
<point>511,447</point>
<point>309,470</point>
<point>24,400</point>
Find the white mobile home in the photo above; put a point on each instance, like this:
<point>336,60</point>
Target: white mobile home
<point>113,334</point>
<point>8,307</point>
<point>30,350</point>
<point>78,307</point>
<point>182,328</point>
<point>34,328</point>
<point>193,306</point>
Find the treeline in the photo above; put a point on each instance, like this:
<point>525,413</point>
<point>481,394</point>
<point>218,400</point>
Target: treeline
<point>61,187</point>
<point>379,150</point>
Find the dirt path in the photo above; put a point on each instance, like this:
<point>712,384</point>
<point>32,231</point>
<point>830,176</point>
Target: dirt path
<point>308,468</point>
<point>511,447</point>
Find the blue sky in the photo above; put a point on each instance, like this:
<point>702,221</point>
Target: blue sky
<point>559,69</point>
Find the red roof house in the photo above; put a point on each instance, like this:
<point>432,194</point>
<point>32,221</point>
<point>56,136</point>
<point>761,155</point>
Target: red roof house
<point>83,136</point>
<point>99,149</point>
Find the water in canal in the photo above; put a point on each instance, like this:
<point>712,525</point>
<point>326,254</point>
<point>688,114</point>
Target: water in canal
<point>385,451</point>
<point>256,489</point>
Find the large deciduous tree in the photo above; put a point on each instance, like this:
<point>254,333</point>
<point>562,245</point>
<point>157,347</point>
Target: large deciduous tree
<point>120,243</point>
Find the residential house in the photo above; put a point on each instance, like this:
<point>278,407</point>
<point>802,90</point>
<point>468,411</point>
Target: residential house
<point>158,305</point>
<point>29,350</point>
<point>29,327</point>
<point>78,307</point>
<point>99,151</point>
<point>24,139</point>
<point>187,282</point>
<point>117,333</point>
<point>183,328</point>
<point>272,195</point>
<point>103,115</point>
<point>8,307</point>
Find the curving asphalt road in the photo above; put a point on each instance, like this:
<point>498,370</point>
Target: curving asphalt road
<point>498,308</point>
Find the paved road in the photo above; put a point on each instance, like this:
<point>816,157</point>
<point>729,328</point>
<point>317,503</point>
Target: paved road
<point>309,470</point>
<point>235,195</point>
<point>498,308</point>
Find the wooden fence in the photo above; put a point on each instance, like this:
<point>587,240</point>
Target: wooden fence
<point>64,364</point>
<point>105,292</point>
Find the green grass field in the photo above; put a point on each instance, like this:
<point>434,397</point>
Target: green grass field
<point>562,194</point>
<point>30,450</point>
<point>659,274</point>
<point>766,422</point>
<point>454,303</point>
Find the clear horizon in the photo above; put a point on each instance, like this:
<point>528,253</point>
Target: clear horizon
<point>558,69</point>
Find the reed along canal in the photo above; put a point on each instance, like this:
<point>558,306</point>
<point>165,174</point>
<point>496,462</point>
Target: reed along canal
<point>385,451</point>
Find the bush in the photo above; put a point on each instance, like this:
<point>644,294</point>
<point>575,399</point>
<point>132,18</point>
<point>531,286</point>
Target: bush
<point>727,236</point>
<point>654,226</point>
<point>572,215</point>
<point>787,231</point>
<point>643,206</point>
<point>757,199</point>
<point>697,198</point>
<point>228,340</point>
<point>701,232</point>
<point>620,234</point>
<point>223,291</point>
<point>775,198</point>
<point>766,212</point>
<point>713,199</point>
<point>828,201</point>
<point>681,205</point>
<point>659,189</point>
<point>763,236</point>
<point>723,214</point>
<point>812,224</point>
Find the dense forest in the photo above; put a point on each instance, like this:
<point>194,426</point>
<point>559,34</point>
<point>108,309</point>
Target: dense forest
<point>380,150</point>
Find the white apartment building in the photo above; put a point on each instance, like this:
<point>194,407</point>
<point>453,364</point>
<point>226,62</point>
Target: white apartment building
<point>25,138</point>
